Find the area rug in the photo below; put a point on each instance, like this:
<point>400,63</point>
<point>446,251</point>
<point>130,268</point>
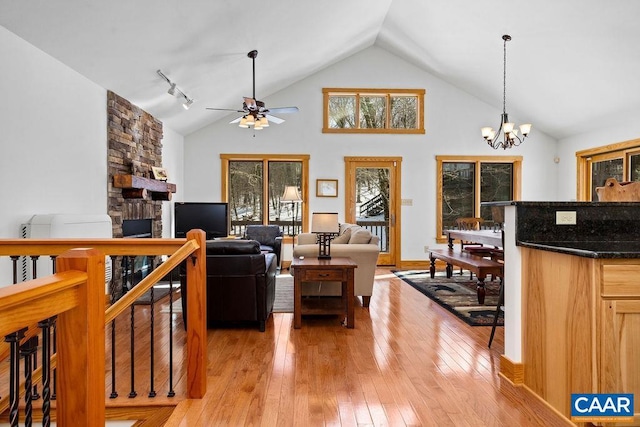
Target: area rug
<point>284,294</point>
<point>457,294</point>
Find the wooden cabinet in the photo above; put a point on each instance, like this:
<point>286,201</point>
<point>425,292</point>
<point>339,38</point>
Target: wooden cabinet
<point>581,319</point>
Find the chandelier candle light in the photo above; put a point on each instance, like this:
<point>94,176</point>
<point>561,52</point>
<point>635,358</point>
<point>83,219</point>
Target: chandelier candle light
<point>507,130</point>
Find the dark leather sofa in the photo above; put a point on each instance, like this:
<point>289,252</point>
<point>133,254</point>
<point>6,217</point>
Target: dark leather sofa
<point>241,283</point>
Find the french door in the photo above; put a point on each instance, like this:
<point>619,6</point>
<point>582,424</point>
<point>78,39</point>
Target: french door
<point>372,197</point>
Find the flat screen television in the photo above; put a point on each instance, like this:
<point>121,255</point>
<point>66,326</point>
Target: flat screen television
<point>211,217</point>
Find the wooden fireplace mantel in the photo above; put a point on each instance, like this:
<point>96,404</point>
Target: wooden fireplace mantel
<point>137,187</point>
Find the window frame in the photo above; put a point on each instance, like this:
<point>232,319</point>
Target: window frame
<point>516,161</point>
<point>387,94</point>
<point>266,159</point>
<point>585,158</point>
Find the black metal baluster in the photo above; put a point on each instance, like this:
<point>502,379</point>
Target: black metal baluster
<point>55,349</point>
<point>132,393</point>
<point>113,291</point>
<point>171,390</point>
<point>27,350</point>
<point>34,366</point>
<point>14,263</point>
<point>46,326</point>
<point>14,374</point>
<point>34,266</point>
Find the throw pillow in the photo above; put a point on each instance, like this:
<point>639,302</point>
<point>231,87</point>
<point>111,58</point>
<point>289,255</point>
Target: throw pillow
<point>345,226</point>
<point>360,237</point>
<point>343,238</point>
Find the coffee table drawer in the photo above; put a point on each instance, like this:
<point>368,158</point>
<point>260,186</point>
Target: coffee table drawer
<point>322,274</point>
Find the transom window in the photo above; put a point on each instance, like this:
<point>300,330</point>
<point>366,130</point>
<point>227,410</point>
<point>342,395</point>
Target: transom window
<point>373,110</point>
<point>253,185</point>
<point>465,182</point>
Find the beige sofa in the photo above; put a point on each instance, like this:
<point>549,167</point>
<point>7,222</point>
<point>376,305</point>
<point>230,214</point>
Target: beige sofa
<point>354,242</point>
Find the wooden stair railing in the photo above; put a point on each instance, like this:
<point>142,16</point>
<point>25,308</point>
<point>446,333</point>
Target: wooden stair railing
<point>75,296</point>
<point>192,249</point>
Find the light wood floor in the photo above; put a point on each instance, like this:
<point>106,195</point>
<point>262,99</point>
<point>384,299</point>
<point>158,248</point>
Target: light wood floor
<point>408,362</point>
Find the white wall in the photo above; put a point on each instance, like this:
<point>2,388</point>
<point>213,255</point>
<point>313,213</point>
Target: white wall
<point>53,141</point>
<point>173,162</point>
<point>452,119</point>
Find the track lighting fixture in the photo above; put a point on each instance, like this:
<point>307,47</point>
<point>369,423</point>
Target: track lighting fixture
<point>174,90</point>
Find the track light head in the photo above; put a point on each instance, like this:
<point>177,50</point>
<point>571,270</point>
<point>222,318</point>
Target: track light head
<point>172,89</point>
<point>187,103</point>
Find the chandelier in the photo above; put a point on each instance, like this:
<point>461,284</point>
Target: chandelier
<point>507,134</point>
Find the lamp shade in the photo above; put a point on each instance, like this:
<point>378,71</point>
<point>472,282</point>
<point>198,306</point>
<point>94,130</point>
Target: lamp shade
<point>291,194</point>
<point>325,222</point>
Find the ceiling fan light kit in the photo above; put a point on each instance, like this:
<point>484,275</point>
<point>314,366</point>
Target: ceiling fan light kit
<point>174,90</point>
<point>255,113</point>
<point>506,130</point>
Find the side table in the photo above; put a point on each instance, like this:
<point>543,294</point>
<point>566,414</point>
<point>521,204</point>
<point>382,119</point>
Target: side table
<point>336,269</point>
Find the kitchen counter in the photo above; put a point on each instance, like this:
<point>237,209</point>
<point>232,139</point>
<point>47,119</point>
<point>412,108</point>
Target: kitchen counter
<point>589,249</point>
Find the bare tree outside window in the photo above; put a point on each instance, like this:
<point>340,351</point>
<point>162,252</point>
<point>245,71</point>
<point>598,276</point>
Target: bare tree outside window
<point>342,112</point>
<point>373,112</point>
<point>403,112</point>
<point>245,191</point>
<point>458,192</point>
<point>249,201</point>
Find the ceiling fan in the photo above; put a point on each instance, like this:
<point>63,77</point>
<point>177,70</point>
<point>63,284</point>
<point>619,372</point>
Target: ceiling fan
<point>254,112</point>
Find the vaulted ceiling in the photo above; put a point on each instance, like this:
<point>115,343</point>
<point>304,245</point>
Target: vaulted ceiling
<point>572,65</point>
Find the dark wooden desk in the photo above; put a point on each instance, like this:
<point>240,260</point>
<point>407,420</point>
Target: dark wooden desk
<point>336,269</point>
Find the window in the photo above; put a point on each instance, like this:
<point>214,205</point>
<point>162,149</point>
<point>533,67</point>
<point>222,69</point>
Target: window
<point>465,182</point>
<point>620,161</point>
<point>253,185</point>
<point>373,110</point>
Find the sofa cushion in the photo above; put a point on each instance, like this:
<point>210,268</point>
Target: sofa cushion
<point>343,237</point>
<point>360,236</point>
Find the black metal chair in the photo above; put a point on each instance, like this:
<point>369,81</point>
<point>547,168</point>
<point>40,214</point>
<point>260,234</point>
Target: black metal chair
<point>269,237</point>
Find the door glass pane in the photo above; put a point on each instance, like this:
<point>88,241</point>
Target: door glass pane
<point>372,202</point>
<point>458,193</point>
<point>285,214</point>
<point>600,171</point>
<point>245,194</point>
<point>342,111</point>
<point>634,167</point>
<point>373,112</point>
<point>404,112</point>
<point>496,186</point>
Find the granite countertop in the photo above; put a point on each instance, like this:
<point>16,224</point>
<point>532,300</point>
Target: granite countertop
<point>589,249</point>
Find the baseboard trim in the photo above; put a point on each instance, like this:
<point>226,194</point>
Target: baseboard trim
<point>511,370</point>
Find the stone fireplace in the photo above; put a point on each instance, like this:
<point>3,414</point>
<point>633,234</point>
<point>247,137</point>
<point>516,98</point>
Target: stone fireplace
<point>134,146</point>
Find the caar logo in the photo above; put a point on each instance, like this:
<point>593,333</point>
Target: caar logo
<point>602,407</point>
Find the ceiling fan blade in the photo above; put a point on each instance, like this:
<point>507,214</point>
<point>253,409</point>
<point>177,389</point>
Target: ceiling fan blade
<point>274,119</point>
<point>283,110</point>
<point>225,109</point>
<point>236,120</point>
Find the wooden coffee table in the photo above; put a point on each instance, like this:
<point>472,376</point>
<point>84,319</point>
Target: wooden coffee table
<point>336,269</point>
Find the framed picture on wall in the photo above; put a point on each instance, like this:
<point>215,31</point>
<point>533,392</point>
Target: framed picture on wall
<point>326,187</point>
<point>159,173</point>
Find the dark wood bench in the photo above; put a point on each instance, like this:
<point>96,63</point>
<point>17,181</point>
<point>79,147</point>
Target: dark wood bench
<point>481,267</point>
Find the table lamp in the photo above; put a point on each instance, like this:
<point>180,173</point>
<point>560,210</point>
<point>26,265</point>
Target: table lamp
<point>325,225</point>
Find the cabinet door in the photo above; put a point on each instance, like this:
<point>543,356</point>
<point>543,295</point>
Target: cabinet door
<point>620,348</point>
